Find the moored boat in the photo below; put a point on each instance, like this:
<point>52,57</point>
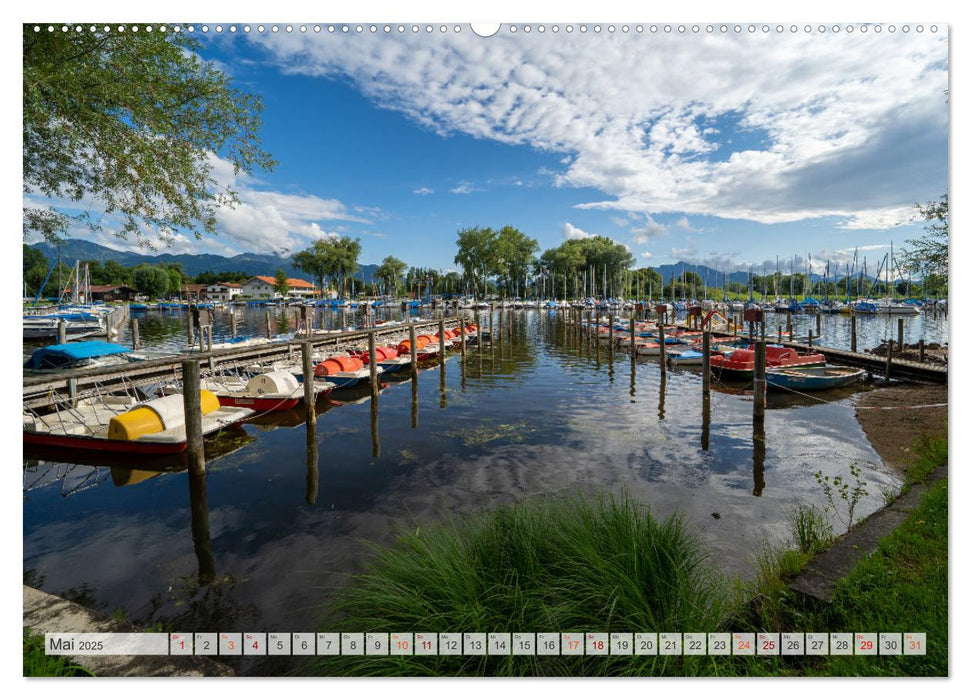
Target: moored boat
<point>272,391</point>
<point>88,353</point>
<point>153,427</point>
<point>740,364</point>
<point>812,378</point>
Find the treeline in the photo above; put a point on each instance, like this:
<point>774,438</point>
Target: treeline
<point>154,280</point>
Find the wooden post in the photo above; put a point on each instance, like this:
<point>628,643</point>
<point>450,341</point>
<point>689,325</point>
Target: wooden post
<point>889,359</point>
<point>780,333</point>
<point>209,338</point>
<point>706,363</point>
<point>734,326</point>
<point>633,332</point>
<point>810,338</point>
<point>663,348</point>
<point>232,325</point>
<point>819,323</point>
<point>751,331</point>
<point>309,397</point>
<point>372,364</point>
<point>61,332</point>
<point>610,320</point>
<point>900,334</point>
<point>269,330</point>
<point>191,403</point>
<point>135,340</point>
<point>413,350</point>
<point>492,337</point>
<point>762,333</point>
<point>920,350</point>
<point>462,337</point>
<point>758,384</point>
<point>191,330</point>
<point>789,324</point>
<point>852,332</point>
<point>441,342</point>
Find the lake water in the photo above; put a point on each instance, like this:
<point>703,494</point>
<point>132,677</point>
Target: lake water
<point>279,527</point>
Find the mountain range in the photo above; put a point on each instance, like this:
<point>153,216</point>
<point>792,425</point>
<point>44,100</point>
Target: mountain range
<point>264,264</point>
<point>72,249</point>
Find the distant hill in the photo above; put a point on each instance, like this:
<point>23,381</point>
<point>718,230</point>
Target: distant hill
<point>251,263</point>
<point>713,277</point>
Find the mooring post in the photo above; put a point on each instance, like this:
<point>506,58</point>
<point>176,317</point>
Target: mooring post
<point>819,323</point>
<point>810,338</point>
<point>414,351</point>
<point>852,332</point>
<point>269,330</point>
<point>191,331</point>
<point>232,324</point>
<point>780,333</point>
<point>309,397</point>
<point>663,349</point>
<point>462,339</point>
<point>758,383</point>
<point>372,364</point>
<point>135,340</point>
<point>610,320</point>
<point>192,405</point>
<point>889,359</point>
<point>209,338</point>
<point>633,332</point>
<point>920,350</point>
<point>900,334</point>
<point>789,325</point>
<point>706,363</point>
<point>734,326</point>
<point>762,333</point>
<point>441,342</point>
<point>492,337</point>
<point>61,332</point>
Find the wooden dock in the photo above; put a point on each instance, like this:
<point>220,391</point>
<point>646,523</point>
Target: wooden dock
<point>40,389</point>
<point>877,364</point>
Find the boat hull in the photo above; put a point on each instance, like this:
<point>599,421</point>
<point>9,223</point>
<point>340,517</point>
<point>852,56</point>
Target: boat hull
<point>88,443</point>
<point>813,378</point>
<point>260,403</point>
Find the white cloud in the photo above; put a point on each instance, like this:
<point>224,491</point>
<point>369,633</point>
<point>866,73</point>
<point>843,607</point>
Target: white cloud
<point>423,191</point>
<point>264,221</point>
<point>647,255</point>
<point>848,125</point>
<point>463,188</point>
<point>571,232</point>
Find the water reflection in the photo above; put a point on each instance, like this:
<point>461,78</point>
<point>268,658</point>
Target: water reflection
<point>525,429</point>
<point>705,421</point>
<point>758,455</point>
<point>201,542</point>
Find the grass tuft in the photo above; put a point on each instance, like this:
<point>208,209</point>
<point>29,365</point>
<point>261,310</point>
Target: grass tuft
<point>551,565</point>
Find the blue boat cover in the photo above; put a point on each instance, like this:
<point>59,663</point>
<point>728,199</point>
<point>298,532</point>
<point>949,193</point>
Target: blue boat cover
<point>74,351</point>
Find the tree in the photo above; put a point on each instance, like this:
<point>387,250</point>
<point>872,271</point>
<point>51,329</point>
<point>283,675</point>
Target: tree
<point>175,279</point>
<point>476,253</point>
<point>281,283</point>
<point>390,272</point>
<point>513,255</point>
<point>35,269</point>
<point>133,121</point>
<point>151,280</point>
<point>928,255</point>
<point>329,258</point>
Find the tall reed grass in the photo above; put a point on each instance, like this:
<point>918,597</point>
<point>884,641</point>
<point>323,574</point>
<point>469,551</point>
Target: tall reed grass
<point>554,565</point>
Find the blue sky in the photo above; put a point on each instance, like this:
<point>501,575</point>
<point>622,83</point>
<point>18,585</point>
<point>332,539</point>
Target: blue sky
<point>722,148</point>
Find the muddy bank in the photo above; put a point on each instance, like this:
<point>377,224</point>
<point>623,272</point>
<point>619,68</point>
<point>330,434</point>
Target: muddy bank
<point>934,353</point>
<point>893,433</point>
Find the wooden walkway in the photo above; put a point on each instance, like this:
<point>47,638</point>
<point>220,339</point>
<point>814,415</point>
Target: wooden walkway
<point>877,364</point>
<point>40,388</point>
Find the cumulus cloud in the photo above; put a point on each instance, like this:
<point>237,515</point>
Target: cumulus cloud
<point>647,255</point>
<point>571,232</point>
<point>264,221</point>
<point>423,191</point>
<point>850,125</point>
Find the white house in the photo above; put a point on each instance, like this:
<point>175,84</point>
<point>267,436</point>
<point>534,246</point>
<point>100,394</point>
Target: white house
<point>223,291</point>
<point>262,287</point>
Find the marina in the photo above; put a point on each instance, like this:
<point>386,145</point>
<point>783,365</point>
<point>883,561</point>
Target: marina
<point>549,405</point>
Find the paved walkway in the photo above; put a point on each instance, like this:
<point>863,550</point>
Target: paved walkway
<point>47,613</point>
